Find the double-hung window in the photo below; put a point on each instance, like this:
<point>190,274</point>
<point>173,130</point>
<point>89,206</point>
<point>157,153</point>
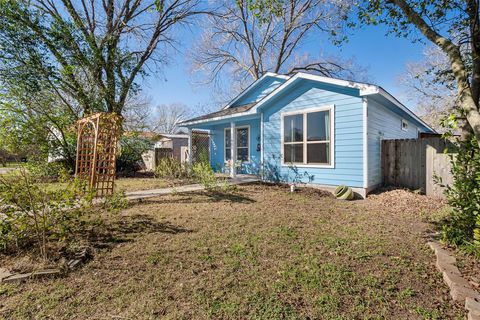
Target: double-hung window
<point>242,136</point>
<point>307,137</point>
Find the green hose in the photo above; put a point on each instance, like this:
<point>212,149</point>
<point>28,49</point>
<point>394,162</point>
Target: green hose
<point>343,193</point>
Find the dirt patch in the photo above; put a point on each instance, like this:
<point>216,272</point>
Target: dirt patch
<point>406,201</point>
<point>262,252</point>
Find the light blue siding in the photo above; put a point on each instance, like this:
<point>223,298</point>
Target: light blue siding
<point>259,91</point>
<point>383,124</point>
<point>217,146</point>
<point>348,161</point>
<point>384,121</point>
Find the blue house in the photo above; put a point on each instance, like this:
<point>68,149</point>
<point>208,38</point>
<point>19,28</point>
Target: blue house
<point>308,129</point>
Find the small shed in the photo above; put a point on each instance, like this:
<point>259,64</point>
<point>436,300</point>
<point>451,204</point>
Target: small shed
<point>166,145</point>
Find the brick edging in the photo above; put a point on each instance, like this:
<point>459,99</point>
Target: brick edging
<point>460,289</point>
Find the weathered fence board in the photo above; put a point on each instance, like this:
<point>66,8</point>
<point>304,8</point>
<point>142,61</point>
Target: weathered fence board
<point>438,172</point>
<point>406,163</point>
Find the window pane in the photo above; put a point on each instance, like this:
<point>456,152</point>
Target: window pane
<point>318,153</point>
<point>293,153</point>
<point>293,128</point>
<point>242,137</point>
<point>242,154</point>
<point>318,126</point>
<point>228,154</point>
<point>227,138</point>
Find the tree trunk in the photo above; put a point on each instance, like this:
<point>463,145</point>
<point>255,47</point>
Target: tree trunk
<point>467,101</point>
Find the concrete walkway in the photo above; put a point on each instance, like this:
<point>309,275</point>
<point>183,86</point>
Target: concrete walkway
<point>136,195</point>
<point>4,170</point>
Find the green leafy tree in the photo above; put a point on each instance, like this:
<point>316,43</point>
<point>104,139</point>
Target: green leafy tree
<point>89,51</point>
<point>451,25</point>
<point>60,60</point>
<point>131,150</point>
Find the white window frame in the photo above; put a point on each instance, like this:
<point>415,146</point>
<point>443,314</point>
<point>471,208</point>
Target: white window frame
<point>404,122</point>
<point>225,145</point>
<point>304,112</point>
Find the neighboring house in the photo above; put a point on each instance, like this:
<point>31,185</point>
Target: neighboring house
<point>174,145</point>
<point>308,128</point>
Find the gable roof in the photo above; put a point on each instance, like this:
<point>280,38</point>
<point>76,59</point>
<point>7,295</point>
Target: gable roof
<point>258,83</point>
<point>365,90</point>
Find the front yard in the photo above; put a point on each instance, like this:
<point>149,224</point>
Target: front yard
<point>132,184</point>
<point>260,253</point>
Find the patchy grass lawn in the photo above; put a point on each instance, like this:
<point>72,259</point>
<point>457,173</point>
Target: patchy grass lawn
<point>261,253</point>
<point>132,184</point>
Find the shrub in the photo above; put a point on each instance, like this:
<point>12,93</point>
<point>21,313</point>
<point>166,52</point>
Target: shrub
<point>48,171</point>
<point>463,196</point>
<point>116,202</point>
<point>29,214</point>
<point>204,174</point>
<point>131,150</point>
<point>171,168</point>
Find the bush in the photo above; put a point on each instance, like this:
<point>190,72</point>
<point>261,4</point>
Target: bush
<point>463,226</point>
<point>48,171</point>
<point>171,168</point>
<point>131,150</point>
<point>31,215</point>
<point>116,202</point>
<point>204,174</point>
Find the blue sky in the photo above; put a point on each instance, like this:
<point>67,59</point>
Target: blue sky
<point>383,56</point>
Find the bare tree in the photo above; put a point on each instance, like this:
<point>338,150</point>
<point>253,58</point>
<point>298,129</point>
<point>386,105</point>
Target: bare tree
<point>428,84</point>
<point>138,113</point>
<point>243,43</point>
<point>169,116</point>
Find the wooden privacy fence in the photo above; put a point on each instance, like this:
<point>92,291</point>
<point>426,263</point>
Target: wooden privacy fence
<point>413,164</point>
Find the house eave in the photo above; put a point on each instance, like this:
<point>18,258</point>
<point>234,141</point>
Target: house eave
<point>220,118</point>
<point>362,87</point>
<point>382,92</point>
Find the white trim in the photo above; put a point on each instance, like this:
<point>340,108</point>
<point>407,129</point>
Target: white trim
<point>225,146</point>
<point>228,116</point>
<point>404,122</point>
<point>190,146</point>
<point>393,100</point>
<point>331,109</point>
<point>173,136</point>
<point>233,148</point>
<point>365,142</point>
<point>364,88</point>
<point>262,145</point>
<point>253,85</point>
